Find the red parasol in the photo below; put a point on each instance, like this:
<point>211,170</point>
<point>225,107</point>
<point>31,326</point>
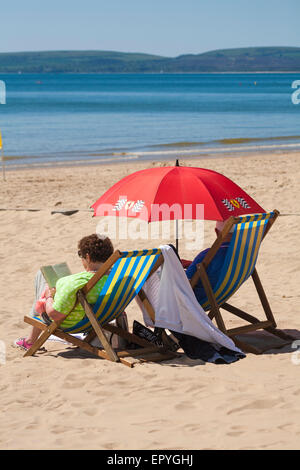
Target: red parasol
<point>147,195</point>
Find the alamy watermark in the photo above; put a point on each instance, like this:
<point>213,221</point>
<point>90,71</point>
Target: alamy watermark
<point>296,94</point>
<point>295,358</point>
<point>2,92</point>
<point>2,352</point>
<point>183,222</point>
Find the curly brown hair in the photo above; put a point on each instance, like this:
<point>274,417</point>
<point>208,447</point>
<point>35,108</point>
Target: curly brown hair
<point>99,249</point>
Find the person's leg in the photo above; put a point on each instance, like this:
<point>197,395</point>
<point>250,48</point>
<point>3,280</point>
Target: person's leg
<point>34,333</point>
<point>39,287</point>
<point>26,343</point>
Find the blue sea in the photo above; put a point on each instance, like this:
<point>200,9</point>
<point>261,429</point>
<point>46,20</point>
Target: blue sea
<point>76,118</point>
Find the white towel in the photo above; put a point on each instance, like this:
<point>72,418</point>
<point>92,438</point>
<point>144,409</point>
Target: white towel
<point>60,340</point>
<point>175,304</point>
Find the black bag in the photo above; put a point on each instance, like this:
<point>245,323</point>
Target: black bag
<point>143,332</point>
<point>154,337</point>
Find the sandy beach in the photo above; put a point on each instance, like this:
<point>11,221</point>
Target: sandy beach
<point>65,399</point>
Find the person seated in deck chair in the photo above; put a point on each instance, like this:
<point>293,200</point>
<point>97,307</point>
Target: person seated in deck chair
<point>213,269</point>
<point>61,302</point>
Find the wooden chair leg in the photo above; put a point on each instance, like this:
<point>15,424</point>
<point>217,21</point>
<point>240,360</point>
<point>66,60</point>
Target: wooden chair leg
<point>215,310</point>
<point>281,334</point>
<point>42,338</point>
<point>239,313</point>
<point>147,352</point>
<point>97,328</point>
<point>90,336</point>
<point>245,347</point>
<point>263,298</point>
<point>145,301</point>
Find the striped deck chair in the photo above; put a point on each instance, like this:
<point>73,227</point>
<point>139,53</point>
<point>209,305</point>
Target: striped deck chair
<point>239,265</point>
<point>128,271</point>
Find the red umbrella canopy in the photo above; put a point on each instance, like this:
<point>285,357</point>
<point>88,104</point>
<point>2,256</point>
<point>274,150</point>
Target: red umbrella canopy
<point>176,192</point>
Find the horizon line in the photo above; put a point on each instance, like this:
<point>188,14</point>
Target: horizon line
<point>147,53</point>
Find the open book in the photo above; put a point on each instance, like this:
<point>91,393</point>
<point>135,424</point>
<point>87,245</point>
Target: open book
<point>54,272</point>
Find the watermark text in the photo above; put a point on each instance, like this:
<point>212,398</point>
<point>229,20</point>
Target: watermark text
<point>2,352</point>
<point>296,94</point>
<point>295,358</point>
<point>181,222</point>
<point>2,92</point>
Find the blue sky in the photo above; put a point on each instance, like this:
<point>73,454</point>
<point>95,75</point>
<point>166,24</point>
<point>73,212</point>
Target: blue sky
<point>163,27</point>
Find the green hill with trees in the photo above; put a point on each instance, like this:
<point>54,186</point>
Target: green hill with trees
<point>252,59</point>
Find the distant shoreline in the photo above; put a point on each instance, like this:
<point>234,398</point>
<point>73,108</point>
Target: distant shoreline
<point>159,152</point>
<point>257,152</point>
<point>239,60</point>
<point>153,73</point>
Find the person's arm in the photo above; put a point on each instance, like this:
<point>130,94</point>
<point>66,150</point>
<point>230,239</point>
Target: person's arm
<point>65,299</point>
<point>193,266</point>
<point>51,312</point>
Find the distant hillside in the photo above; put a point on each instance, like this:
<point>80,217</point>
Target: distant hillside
<point>76,62</point>
<point>252,59</point>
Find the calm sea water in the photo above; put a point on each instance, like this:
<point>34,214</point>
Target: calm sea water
<point>67,117</point>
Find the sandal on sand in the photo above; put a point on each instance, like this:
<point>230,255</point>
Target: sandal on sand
<point>22,344</point>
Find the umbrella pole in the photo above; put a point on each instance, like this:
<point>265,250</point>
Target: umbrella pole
<point>177,164</point>
<point>177,236</point>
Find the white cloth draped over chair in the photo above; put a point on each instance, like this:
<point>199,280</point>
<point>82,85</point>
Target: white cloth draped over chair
<point>176,307</point>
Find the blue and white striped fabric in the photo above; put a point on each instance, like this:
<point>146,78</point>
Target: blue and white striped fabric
<point>241,256</point>
<point>124,282</point>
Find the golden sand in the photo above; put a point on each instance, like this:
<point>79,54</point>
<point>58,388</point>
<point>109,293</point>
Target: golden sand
<point>62,399</point>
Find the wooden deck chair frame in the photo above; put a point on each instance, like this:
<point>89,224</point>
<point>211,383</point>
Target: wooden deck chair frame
<point>214,313</point>
<point>147,351</point>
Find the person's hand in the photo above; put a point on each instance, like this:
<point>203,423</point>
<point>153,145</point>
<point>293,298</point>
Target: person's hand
<point>50,292</point>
